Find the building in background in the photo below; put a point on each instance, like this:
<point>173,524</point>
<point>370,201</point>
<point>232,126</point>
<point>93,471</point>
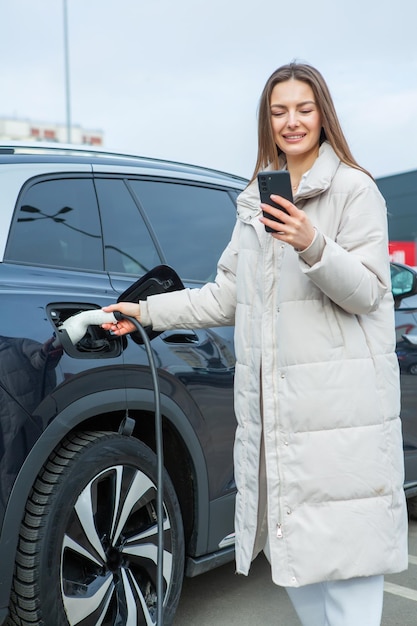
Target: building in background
<point>400,193</point>
<point>15,129</point>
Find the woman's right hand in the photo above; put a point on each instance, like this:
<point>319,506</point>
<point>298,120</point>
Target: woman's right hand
<point>123,326</point>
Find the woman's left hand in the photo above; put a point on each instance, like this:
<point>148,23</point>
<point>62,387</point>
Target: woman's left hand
<point>295,227</point>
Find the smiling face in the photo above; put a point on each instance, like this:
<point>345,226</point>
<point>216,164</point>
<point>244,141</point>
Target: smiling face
<point>296,121</point>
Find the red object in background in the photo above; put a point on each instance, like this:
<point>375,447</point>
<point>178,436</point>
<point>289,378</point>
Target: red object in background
<point>402,252</point>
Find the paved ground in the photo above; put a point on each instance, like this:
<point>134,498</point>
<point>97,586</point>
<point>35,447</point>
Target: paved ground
<point>220,598</point>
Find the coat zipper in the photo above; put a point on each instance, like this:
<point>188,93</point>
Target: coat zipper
<point>279,533</point>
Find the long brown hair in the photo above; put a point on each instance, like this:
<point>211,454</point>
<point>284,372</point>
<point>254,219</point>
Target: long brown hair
<point>268,152</point>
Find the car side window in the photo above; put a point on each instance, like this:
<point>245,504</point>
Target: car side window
<point>128,245</point>
<point>193,223</point>
<point>57,224</point>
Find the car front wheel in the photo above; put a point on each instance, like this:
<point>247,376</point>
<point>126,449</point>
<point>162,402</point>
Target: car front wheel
<point>87,551</point>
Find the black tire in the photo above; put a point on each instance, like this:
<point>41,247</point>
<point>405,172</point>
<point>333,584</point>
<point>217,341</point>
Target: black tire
<point>87,550</point>
<point>413,369</point>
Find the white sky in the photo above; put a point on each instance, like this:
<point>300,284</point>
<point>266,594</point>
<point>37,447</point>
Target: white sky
<point>182,79</point>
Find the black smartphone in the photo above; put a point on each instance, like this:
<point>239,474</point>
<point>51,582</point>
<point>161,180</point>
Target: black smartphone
<point>274,182</point>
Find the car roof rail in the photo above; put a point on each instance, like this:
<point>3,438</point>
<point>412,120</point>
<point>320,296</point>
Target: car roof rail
<point>63,149</point>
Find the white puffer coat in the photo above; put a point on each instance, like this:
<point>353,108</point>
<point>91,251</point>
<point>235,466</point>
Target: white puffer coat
<point>315,347</point>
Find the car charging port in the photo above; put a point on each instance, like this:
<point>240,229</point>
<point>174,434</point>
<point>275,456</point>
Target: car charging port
<point>94,341</point>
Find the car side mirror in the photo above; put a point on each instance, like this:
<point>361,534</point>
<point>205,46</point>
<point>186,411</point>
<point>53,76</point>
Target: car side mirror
<point>403,282</point>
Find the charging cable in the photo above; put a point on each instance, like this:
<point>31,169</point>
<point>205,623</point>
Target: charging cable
<point>160,465</point>
<point>76,327</point>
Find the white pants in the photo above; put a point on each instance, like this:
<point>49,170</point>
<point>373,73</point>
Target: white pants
<point>353,602</point>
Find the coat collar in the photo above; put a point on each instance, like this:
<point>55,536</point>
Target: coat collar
<point>321,174</point>
<point>316,182</point>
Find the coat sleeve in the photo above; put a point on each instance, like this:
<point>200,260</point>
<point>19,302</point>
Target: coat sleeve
<point>213,304</point>
<point>354,269</point>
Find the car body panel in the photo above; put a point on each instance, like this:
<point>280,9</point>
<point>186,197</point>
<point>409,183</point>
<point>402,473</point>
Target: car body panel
<point>406,325</point>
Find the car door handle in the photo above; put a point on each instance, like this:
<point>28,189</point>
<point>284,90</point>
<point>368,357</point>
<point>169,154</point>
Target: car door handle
<point>180,336</point>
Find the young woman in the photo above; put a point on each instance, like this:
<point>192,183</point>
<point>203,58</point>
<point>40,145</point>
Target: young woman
<point>318,450</point>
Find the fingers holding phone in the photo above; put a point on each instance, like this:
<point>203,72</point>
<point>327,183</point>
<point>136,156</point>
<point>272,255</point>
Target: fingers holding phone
<point>296,229</point>
<point>277,210</point>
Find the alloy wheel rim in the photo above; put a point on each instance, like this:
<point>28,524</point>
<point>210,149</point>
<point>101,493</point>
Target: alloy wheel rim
<point>109,552</point>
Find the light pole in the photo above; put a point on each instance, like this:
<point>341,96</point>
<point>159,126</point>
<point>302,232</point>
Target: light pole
<point>67,77</point>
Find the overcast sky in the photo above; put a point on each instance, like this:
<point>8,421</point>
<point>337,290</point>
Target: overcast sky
<point>182,79</point>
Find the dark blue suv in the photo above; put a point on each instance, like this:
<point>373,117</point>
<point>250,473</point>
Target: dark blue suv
<point>78,496</point>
